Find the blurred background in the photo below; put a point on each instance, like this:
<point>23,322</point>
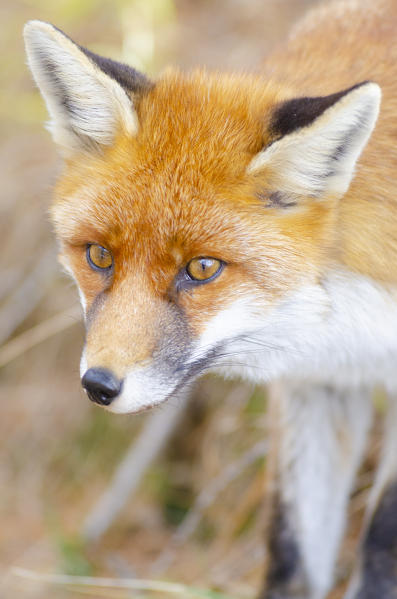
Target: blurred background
<point>194,513</point>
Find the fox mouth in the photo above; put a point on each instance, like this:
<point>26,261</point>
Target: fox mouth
<point>142,389</point>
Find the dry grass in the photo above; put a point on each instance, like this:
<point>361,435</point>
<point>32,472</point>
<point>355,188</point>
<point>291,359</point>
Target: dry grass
<point>59,452</point>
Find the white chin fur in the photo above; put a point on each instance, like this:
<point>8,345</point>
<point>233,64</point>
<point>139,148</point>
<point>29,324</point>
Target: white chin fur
<point>140,392</point>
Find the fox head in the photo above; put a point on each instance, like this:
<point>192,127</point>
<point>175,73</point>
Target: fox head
<point>194,213</point>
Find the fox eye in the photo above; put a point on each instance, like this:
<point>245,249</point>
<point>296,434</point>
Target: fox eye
<point>204,269</point>
<point>98,257</point>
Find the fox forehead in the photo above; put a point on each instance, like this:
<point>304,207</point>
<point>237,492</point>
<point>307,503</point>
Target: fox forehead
<point>201,117</point>
<point>182,178</point>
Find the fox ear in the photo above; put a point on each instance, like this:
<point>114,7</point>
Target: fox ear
<point>317,142</point>
<point>89,98</point>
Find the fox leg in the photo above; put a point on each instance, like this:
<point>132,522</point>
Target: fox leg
<point>376,576</point>
<point>319,435</point>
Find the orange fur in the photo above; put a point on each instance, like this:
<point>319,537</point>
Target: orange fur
<point>179,188</point>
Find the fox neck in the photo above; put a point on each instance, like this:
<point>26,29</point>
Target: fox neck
<point>340,329</point>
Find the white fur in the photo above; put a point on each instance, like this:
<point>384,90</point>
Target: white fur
<point>306,162</point>
<point>83,364</point>
<point>341,330</point>
<point>83,301</point>
<point>142,390</point>
<point>323,433</point>
<point>100,105</point>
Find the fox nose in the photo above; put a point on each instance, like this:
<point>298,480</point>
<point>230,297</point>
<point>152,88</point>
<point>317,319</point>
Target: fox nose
<point>102,385</point>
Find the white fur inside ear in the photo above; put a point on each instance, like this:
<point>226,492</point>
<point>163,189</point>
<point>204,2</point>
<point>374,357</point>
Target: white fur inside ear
<point>319,159</point>
<point>86,106</point>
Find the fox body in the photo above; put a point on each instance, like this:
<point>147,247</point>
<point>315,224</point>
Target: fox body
<point>243,224</point>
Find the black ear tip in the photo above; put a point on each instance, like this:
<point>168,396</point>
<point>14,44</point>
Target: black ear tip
<point>296,113</point>
<point>128,77</point>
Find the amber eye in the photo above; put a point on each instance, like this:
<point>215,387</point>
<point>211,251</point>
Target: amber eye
<point>99,257</point>
<point>203,269</point>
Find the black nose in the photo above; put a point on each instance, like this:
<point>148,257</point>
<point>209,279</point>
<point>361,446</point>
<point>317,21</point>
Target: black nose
<point>101,385</point>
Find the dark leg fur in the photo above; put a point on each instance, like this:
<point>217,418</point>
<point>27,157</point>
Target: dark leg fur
<point>379,562</point>
<point>285,576</point>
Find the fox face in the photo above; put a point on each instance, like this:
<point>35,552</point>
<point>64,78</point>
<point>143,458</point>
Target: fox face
<point>197,215</point>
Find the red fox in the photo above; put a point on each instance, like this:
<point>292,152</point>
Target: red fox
<point>247,224</point>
